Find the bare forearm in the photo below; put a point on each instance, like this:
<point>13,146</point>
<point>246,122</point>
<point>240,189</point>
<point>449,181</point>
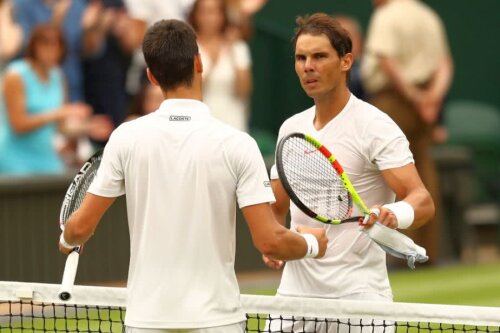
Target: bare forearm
<point>285,245</point>
<point>269,237</point>
<point>395,76</point>
<point>406,183</point>
<point>27,124</point>
<point>10,33</point>
<point>76,231</point>
<point>82,224</point>
<point>442,79</point>
<point>243,84</point>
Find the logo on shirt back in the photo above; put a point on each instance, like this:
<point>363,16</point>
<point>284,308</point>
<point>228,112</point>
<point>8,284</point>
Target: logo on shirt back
<point>179,118</point>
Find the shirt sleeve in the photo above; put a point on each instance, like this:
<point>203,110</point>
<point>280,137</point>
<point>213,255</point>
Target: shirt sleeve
<point>253,185</point>
<point>109,181</point>
<point>388,147</point>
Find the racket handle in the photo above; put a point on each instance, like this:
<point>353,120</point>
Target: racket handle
<point>69,275</point>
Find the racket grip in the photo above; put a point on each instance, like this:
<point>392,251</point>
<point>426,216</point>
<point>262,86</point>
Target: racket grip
<point>69,275</point>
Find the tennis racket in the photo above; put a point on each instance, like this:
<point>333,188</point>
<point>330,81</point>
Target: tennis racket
<point>315,181</point>
<point>72,200</point>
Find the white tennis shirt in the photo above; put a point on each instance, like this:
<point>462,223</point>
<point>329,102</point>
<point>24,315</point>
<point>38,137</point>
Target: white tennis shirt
<point>364,140</point>
<point>183,173</point>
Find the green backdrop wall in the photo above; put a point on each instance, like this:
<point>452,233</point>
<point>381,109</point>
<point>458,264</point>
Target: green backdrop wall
<point>472,28</point>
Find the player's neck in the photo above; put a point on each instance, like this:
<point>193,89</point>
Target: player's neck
<point>329,106</point>
<point>185,92</point>
<point>182,93</point>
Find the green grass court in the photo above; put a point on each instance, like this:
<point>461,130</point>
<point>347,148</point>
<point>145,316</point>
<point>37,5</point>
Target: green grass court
<point>459,285</point>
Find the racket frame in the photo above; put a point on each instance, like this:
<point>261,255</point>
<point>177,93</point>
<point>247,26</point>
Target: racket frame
<point>71,265</point>
<point>352,194</point>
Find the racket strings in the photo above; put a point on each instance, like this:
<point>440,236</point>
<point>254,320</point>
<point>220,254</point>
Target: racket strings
<point>314,180</point>
<point>81,185</point>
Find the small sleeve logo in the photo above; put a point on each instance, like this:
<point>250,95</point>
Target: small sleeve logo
<point>267,183</point>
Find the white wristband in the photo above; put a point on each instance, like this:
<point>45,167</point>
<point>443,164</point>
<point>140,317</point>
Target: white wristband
<point>65,244</point>
<point>312,245</point>
<point>404,213</point>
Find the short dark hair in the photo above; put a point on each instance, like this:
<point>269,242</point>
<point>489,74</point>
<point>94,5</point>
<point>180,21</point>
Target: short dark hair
<point>39,34</point>
<point>321,23</point>
<point>169,49</point>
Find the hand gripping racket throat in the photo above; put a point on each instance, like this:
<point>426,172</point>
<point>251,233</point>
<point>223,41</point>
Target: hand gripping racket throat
<point>72,201</point>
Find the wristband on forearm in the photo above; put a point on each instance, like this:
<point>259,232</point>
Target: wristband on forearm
<point>404,213</point>
<point>312,245</point>
<point>65,244</point>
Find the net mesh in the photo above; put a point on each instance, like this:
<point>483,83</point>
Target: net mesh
<point>27,307</point>
<point>310,175</point>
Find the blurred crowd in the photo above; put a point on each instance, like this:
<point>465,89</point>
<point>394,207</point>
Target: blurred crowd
<point>72,70</point>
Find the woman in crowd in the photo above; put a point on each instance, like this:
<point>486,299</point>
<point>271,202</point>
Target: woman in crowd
<point>35,107</point>
<point>226,64</point>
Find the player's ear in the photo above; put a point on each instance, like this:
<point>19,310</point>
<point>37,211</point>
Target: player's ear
<point>346,62</point>
<point>151,78</point>
<point>198,64</point>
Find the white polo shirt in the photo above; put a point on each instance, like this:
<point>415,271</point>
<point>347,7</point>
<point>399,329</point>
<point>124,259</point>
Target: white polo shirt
<point>183,173</point>
<point>364,140</point>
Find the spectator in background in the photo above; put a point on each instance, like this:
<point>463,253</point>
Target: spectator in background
<point>353,27</point>
<point>240,16</point>
<point>68,16</point>
<point>227,75</point>
<point>146,101</point>
<point>143,14</point>
<point>105,70</point>
<point>34,96</point>
<point>407,69</point>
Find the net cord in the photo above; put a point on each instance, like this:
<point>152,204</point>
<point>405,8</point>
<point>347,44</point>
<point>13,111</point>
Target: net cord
<point>306,307</point>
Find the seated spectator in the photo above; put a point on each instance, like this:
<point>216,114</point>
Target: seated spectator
<point>35,107</point>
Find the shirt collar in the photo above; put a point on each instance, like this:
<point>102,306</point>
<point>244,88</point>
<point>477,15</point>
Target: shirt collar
<point>191,107</point>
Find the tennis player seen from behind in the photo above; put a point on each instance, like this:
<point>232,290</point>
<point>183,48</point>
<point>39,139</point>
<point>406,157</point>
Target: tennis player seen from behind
<point>183,173</point>
<point>375,155</point>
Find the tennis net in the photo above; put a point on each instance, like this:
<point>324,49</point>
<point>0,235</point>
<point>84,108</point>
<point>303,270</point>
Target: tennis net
<point>32,307</point>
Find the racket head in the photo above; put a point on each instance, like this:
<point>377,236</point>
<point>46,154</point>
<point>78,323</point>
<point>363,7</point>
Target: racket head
<point>311,177</point>
<point>78,187</point>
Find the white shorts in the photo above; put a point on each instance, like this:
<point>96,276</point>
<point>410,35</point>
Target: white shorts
<point>233,328</point>
<point>352,325</point>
